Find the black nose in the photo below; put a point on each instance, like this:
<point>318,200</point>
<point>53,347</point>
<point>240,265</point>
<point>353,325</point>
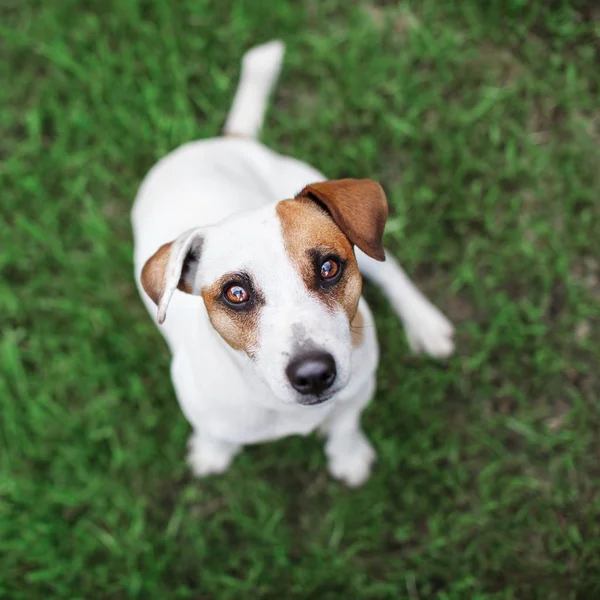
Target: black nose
<point>312,373</point>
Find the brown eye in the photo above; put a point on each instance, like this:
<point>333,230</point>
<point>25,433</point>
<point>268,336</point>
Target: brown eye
<point>329,269</point>
<point>236,294</point>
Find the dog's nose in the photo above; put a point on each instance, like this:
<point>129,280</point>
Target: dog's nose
<point>312,373</point>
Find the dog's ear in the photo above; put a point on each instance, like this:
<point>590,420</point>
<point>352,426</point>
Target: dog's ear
<point>173,265</point>
<point>359,208</point>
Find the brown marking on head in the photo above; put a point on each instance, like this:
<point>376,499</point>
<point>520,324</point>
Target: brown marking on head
<point>239,328</point>
<point>309,231</point>
<point>356,329</point>
<point>153,274</point>
<point>359,208</point>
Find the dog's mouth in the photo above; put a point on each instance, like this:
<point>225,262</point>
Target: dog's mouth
<point>316,400</point>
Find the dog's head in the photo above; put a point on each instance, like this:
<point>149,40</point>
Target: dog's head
<point>281,283</point>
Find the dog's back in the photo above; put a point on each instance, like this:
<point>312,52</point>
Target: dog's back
<point>200,182</point>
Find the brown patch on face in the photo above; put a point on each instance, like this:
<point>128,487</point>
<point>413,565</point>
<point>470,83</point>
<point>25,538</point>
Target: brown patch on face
<point>308,229</point>
<point>238,327</point>
<point>356,329</point>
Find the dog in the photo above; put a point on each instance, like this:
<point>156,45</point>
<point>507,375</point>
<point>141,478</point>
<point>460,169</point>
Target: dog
<point>257,258</point>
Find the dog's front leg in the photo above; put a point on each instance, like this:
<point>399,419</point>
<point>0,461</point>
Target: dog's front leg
<point>427,329</point>
<point>208,455</point>
<point>349,452</point>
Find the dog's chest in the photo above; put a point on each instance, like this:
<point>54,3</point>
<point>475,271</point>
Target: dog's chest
<point>260,425</point>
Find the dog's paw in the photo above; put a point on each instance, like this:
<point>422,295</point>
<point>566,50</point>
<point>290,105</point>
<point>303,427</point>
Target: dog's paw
<point>207,458</point>
<point>429,331</point>
<point>351,463</point>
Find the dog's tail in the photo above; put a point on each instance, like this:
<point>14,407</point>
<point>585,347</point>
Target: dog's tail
<point>260,69</point>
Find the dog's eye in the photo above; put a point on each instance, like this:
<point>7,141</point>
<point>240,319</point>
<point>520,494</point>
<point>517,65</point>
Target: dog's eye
<point>236,294</point>
<point>329,269</point>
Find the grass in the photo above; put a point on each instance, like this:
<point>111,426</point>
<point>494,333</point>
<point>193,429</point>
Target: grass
<point>482,121</point>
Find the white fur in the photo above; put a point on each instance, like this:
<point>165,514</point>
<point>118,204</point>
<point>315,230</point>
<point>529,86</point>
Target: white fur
<point>226,190</point>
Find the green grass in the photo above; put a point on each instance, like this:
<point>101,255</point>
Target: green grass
<point>483,124</point>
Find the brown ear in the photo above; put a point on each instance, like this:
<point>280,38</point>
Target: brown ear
<point>359,208</point>
<point>173,266</point>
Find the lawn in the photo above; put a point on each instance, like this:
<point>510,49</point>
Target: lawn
<point>482,121</point>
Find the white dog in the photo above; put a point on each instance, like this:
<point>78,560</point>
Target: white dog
<point>268,331</point>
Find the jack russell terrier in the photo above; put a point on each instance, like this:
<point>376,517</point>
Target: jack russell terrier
<point>280,341</point>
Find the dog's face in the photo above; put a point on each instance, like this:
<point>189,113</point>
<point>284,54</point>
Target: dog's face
<point>281,284</point>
